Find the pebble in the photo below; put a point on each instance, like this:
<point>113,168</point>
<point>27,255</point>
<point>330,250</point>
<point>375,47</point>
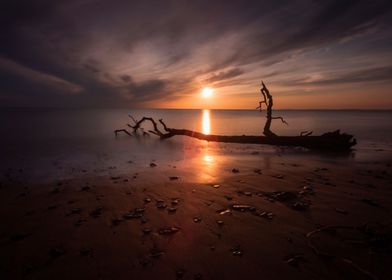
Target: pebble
<point>341,211</point>
<point>267,215</point>
<point>79,222</point>
<point>168,230</point>
<point>156,253</point>
<point>197,276</point>
<point>161,204</point>
<point>146,231</point>
<point>369,202</point>
<point>85,252</point>
<point>180,273</point>
<point>56,252</point>
<point>134,214</point>
<point>237,252</point>
<point>97,212</point>
<point>243,207</point>
<point>295,260</point>
<point>224,211</point>
<point>300,205</point>
<point>76,211</point>
<point>116,221</point>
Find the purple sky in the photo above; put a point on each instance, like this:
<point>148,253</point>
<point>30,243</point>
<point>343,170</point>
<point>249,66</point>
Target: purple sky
<point>95,53</point>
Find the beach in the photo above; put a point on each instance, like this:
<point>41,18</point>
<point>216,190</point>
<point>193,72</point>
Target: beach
<point>76,202</point>
<point>217,216</point>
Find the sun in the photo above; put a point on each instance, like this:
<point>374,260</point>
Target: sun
<point>207,92</point>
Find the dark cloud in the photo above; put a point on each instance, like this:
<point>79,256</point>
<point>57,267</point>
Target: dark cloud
<point>147,90</point>
<point>379,74</point>
<point>224,75</point>
<point>127,53</point>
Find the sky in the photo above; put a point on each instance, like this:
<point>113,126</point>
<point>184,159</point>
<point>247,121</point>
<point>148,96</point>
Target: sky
<point>334,54</point>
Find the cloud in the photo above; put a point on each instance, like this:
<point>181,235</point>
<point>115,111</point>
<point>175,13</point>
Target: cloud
<point>144,91</point>
<point>132,52</point>
<point>224,75</point>
<point>379,74</point>
<point>58,85</point>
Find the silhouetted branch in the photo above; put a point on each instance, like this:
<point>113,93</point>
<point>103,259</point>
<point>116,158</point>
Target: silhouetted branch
<point>259,107</point>
<point>163,124</point>
<point>134,121</point>
<point>268,101</point>
<point>139,123</point>
<point>280,118</point>
<point>122,130</point>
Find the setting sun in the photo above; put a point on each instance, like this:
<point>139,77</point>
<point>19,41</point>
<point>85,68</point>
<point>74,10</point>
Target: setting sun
<point>207,92</point>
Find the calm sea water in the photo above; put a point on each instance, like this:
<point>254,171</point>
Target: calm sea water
<point>40,139</point>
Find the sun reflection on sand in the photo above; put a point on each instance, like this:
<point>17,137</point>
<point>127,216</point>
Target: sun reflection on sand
<point>206,158</point>
<point>208,166</point>
<point>206,122</point>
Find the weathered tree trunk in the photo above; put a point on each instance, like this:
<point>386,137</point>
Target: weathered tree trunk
<point>268,101</point>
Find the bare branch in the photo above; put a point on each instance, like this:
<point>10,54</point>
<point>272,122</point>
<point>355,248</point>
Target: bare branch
<point>164,125</point>
<point>122,130</point>
<point>280,118</point>
<point>153,132</point>
<point>139,123</point>
<point>134,120</point>
<point>261,102</point>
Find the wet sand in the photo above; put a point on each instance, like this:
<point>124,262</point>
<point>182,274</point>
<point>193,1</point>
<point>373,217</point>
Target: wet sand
<point>239,219</point>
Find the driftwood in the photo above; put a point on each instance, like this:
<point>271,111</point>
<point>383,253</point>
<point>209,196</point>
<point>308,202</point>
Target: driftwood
<point>331,141</point>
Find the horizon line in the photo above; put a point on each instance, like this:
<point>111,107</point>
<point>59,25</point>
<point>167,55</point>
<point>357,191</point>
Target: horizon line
<point>234,109</point>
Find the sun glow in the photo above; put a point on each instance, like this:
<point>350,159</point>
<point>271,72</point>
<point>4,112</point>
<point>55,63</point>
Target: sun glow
<point>207,92</point>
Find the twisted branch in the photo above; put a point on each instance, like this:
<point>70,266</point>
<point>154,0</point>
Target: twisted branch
<point>280,118</point>
<point>139,123</point>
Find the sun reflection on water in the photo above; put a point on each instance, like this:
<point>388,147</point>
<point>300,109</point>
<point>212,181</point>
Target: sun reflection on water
<point>208,159</point>
<point>206,122</point>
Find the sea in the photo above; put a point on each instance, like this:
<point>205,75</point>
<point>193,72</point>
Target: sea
<point>47,143</point>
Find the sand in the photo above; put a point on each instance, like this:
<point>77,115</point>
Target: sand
<point>202,218</point>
